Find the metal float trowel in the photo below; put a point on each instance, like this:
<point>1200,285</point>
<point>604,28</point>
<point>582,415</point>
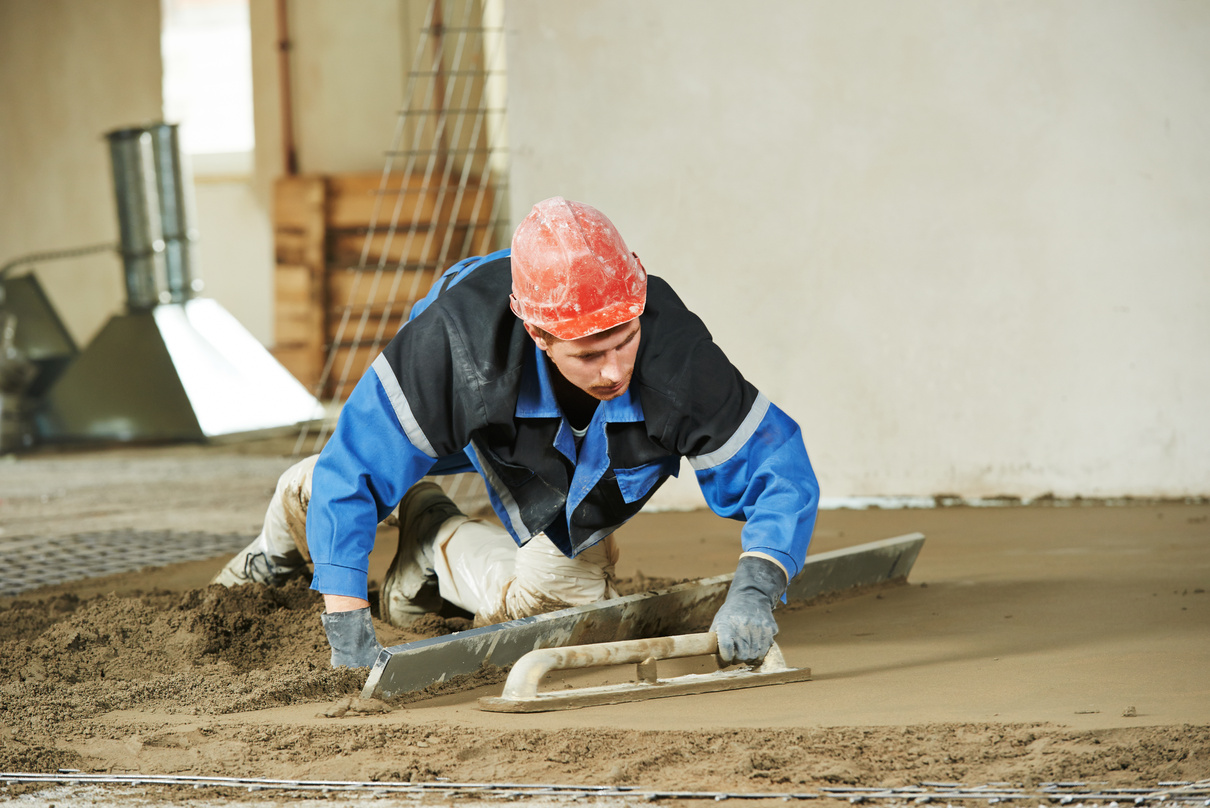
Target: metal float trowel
<point>521,689</point>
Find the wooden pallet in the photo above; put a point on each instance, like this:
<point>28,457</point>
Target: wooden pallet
<point>345,279</point>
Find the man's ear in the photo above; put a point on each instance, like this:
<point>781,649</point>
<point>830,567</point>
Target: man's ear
<point>538,339</point>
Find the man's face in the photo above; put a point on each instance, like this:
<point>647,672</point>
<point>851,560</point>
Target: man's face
<point>599,364</point>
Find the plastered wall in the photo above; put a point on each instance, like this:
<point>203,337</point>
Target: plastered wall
<point>69,73</point>
<point>967,245</point>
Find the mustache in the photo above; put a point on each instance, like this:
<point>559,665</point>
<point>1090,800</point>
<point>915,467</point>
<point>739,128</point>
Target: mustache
<point>619,386</point>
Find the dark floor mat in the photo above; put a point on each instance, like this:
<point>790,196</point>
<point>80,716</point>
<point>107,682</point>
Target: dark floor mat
<point>30,562</point>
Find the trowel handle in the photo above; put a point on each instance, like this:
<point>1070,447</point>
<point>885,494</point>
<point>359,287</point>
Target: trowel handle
<point>527,673</point>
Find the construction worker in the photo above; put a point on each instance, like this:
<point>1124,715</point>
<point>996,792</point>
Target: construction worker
<point>574,383</point>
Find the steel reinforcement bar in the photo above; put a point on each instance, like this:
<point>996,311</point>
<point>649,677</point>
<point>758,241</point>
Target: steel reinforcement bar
<point>1176,793</point>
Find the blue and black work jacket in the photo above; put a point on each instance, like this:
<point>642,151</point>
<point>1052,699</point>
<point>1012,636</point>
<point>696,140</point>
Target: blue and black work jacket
<point>462,386</point>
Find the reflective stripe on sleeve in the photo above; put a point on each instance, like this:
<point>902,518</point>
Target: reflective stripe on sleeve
<point>736,442</point>
<point>399,403</point>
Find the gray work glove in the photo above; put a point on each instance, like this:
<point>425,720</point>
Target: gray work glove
<point>744,624</point>
<point>351,635</point>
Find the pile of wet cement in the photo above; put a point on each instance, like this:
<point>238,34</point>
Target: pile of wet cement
<point>67,661</point>
<point>205,651</point>
<point>212,650</point>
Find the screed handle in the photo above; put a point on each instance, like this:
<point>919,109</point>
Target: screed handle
<point>528,671</point>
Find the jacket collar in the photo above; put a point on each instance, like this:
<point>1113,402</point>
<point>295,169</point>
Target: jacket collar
<point>536,398</point>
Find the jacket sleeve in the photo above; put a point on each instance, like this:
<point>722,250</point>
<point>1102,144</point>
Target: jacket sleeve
<point>362,473</point>
<point>384,439</point>
<point>762,475</point>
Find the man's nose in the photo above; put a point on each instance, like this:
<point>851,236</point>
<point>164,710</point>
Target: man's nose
<point>611,370</point>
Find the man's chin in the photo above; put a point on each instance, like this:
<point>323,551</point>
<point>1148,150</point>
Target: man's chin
<point>609,393</point>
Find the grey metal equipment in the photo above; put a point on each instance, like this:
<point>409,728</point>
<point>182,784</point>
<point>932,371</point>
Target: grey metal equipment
<point>40,335</point>
<point>679,609</point>
<point>140,224</point>
<point>173,366</point>
<point>35,561</point>
<point>34,346</point>
<point>17,373</point>
<point>177,214</point>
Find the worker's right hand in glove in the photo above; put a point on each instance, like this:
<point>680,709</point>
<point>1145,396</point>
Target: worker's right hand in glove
<point>744,624</point>
<point>351,635</point>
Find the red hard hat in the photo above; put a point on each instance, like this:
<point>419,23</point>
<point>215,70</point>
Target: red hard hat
<point>572,274</point>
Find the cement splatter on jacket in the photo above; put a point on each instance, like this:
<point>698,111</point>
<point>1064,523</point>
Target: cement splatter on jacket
<point>462,386</point>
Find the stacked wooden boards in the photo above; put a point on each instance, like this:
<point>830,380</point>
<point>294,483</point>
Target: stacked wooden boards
<point>353,252</point>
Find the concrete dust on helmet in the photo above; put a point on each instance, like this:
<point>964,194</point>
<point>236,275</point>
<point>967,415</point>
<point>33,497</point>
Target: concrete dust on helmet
<point>573,275</point>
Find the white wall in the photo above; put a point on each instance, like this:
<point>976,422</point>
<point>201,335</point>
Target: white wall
<point>69,73</point>
<point>235,250</point>
<point>347,75</point>
<point>348,69</point>
<point>967,245</point>
<point>349,64</point>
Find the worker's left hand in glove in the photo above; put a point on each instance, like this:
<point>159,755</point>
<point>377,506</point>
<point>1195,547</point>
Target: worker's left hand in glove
<point>744,624</point>
<point>351,635</point>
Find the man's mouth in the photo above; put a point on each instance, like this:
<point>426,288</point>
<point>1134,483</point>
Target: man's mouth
<point>610,391</point>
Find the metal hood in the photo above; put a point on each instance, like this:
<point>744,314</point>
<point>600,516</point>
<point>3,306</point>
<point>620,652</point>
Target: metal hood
<point>174,366</point>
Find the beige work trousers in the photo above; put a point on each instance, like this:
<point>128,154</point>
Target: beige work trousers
<point>479,567</point>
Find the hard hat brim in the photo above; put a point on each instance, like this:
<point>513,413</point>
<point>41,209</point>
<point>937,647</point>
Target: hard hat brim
<point>583,326</point>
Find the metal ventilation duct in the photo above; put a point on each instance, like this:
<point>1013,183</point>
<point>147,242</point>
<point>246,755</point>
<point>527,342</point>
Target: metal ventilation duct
<point>155,215</point>
<point>173,366</point>
<point>177,213</point>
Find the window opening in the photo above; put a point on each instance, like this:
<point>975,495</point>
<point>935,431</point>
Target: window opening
<point>207,54</point>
